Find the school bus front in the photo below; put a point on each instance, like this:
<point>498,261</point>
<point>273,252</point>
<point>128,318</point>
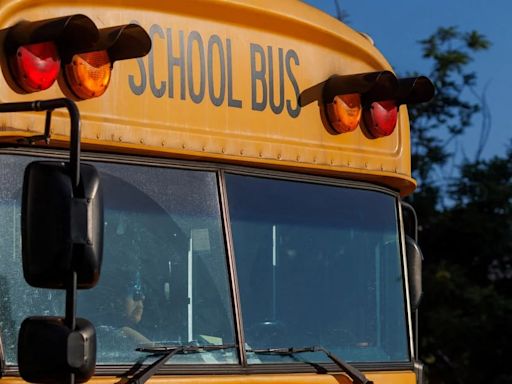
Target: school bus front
<point>252,231</point>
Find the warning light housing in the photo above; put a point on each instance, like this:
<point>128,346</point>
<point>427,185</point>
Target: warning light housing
<point>381,94</point>
<point>33,51</point>
<point>87,74</point>
<point>70,49</point>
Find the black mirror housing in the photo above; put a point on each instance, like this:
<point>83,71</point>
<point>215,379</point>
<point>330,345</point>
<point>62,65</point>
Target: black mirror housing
<point>62,226</point>
<point>414,264</point>
<point>48,351</point>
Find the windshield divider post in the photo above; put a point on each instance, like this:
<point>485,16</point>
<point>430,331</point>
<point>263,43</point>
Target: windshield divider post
<point>232,273</point>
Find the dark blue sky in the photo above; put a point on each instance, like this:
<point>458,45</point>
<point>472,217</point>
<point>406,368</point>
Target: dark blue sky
<point>397,25</point>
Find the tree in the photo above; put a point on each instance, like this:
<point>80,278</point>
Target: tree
<point>341,14</point>
<point>465,212</point>
<point>467,313</point>
<point>437,125</point>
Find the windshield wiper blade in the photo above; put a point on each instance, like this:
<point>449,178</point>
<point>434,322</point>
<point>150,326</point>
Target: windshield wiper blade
<point>355,374</point>
<point>166,352</point>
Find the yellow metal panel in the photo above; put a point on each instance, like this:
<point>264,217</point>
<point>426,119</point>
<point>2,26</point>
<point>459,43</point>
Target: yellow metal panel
<point>222,83</point>
<point>377,378</point>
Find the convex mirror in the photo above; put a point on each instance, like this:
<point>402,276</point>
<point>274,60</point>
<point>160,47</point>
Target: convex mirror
<point>62,226</point>
<point>48,351</point>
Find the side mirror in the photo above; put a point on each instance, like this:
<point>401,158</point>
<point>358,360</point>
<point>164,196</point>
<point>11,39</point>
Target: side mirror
<point>48,350</point>
<point>414,264</point>
<point>62,247</point>
<point>60,230</point>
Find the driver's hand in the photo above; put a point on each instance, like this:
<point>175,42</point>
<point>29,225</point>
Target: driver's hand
<point>134,335</point>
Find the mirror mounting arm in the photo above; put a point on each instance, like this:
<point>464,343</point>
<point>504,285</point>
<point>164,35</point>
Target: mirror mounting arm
<point>49,106</point>
<point>71,287</point>
<point>74,173</point>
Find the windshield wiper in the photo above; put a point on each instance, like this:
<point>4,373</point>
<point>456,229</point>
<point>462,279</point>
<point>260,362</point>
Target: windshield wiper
<point>166,352</point>
<point>355,374</point>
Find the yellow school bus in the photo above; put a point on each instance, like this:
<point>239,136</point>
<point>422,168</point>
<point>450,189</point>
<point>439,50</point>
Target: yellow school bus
<point>253,155</point>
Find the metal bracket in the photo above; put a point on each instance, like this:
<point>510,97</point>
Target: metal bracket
<point>49,106</point>
<point>44,137</point>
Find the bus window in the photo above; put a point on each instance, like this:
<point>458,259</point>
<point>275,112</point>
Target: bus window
<point>318,265</point>
<point>164,276</point>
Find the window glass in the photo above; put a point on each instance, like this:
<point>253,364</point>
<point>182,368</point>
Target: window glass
<point>164,277</point>
<point>318,265</point>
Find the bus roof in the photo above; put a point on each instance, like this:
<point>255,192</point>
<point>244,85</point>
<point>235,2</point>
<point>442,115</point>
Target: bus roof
<point>225,81</point>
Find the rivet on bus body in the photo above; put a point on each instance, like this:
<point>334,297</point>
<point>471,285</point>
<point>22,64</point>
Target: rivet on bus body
<point>298,157</point>
<point>279,156</point>
<point>223,150</point>
<point>183,146</point>
<point>241,151</point>
<point>204,148</point>
<point>365,164</point>
<point>163,143</point>
<point>120,138</point>
<point>98,135</point>
<point>260,154</point>
<point>142,141</point>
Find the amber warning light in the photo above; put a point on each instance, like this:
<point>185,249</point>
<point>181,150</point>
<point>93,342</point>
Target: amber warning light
<point>71,49</point>
<point>373,97</point>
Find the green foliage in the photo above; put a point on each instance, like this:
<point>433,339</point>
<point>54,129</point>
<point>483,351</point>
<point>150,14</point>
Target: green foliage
<point>436,124</point>
<point>466,328</point>
<point>466,315</point>
<point>467,311</point>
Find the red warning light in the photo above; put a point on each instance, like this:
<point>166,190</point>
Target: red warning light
<point>380,118</point>
<point>36,66</point>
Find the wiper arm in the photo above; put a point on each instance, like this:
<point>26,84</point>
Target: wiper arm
<point>355,374</point>
<point>166,352</point>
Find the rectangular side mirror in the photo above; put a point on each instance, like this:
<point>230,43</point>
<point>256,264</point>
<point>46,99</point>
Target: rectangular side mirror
<point>61,229</point>
<point>48,351</point>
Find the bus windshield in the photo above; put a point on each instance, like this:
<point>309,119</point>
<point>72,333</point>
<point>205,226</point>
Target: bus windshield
<point>318,265</point>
